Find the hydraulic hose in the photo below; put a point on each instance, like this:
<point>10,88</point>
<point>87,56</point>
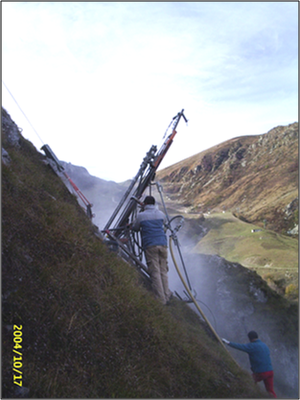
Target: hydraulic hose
<point>193,299</point>
<point>190,293</point>
<point>172,238</point>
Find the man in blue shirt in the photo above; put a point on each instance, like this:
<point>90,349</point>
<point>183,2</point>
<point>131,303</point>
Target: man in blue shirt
<point>151,224</point>
<point>260,360</point>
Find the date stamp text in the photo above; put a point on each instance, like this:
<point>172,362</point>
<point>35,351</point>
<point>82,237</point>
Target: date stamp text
<point>17,355</point>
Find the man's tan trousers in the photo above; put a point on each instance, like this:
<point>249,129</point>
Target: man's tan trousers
<point>157,262</point>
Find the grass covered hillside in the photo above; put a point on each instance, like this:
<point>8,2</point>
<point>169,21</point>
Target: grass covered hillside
<point>272,255</point>
<point>90,329</point>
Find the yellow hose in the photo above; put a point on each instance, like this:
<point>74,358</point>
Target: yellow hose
<point>194,300</point>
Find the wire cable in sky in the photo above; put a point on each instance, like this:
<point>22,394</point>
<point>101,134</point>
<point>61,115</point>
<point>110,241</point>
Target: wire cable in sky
<point>23,113</point>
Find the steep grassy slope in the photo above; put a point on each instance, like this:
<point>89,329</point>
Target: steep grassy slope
<point>90,329</point>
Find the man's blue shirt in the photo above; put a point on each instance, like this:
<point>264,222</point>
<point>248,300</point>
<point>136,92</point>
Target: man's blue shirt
<point>151,223</point>
<point>259,355</point>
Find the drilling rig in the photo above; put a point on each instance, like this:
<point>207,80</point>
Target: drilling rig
<point>127,242</point>
<point>117,229</point>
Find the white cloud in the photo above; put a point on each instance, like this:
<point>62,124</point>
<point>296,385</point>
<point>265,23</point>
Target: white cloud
<point>101,81</point>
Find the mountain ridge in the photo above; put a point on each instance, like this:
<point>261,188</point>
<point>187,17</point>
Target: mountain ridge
<point>255,177</point>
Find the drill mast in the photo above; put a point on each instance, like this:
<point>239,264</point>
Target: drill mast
<point>117,228</point>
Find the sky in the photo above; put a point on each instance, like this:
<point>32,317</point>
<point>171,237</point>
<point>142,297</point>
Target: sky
<point>99,82</point>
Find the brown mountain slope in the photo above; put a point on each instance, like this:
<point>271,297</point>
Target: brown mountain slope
<point>256,177</point>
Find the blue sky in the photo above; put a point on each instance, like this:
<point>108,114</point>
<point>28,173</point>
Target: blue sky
<point>100,82</point>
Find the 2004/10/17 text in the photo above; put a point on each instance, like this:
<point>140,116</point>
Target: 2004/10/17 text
<point>17,359</point>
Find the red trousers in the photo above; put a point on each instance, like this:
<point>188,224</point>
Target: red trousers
<point>267,377</point>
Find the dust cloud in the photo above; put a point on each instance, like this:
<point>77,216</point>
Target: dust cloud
<point>232,299</point>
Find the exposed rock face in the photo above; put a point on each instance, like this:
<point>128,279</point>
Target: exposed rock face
<point>254,176</point>
<point>10,135</point>
<point>5,157</point>
<point>11,132</point>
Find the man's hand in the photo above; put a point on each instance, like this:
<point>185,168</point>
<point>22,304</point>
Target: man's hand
<point>225,341</point>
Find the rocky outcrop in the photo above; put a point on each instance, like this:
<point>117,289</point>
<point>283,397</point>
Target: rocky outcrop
<point>5,157</point>
<point>10,135</point>
<point>10,131</point>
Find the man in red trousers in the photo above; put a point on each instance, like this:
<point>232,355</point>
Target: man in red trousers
<point>260,360</point>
